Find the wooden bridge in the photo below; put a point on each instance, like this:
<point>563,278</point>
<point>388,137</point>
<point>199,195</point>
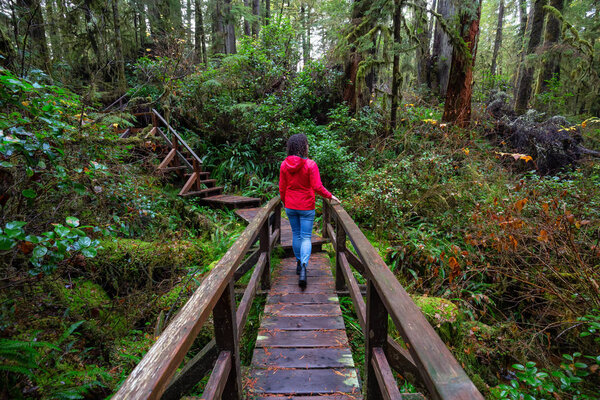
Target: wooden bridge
<point>302,350</point>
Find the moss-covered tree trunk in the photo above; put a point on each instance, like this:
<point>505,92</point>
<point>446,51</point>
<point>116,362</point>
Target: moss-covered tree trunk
<point>527,71</point>
<point>396,64</point>
<point>457,109</point>
<point>199,37</point>
<point>551,61</point>
<point>230,47</point>
<point>423,38</point>
<point>442,49</point>
<point>498,39</point>
<point>32,26</point>
<point>120,62</point>
<point>218,28</point>
<point>7,50</point>
<point>256,13</point>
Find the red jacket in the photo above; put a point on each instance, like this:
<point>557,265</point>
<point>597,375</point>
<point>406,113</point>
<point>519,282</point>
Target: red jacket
<point>299,179</point>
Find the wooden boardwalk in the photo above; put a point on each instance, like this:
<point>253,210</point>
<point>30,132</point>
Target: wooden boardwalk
<point>302,347</point>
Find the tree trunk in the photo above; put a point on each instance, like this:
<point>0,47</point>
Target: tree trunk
<point>396,64</point>
<point>305,33</point>
<point>199,37</point>
<point>230,29</point>
<point>457,109</point>
<point>188,17</point>
<point>442,49</point>
<point>218,28</point>
<point>423,39</point>
<point>121,83</point>
<point>55,40</point>
<point>527,71</point>
<point>248,7</point>
<point>7,51</point>
<point>551,62</point>
<point>522,4</point>
<point>30,12</point>
<point>353,92</point>
<point>267,12</point>
<point>256,13</point>
<point>498,40</point>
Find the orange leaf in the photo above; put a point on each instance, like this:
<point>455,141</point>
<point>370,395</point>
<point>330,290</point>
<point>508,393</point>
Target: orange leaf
<point>543,237</point>
<point>520,204</point>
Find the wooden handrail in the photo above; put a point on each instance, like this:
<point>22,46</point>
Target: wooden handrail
<point>151,376</point>
<point>179,138</point>
<point>441,373</point>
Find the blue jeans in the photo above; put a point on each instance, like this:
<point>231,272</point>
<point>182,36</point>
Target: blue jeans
<point>302,225</point>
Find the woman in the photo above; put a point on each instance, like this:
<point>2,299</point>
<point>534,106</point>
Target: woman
<point>299,179</point>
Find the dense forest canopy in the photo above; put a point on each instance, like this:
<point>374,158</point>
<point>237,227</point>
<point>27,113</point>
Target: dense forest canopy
<point>462,136</point>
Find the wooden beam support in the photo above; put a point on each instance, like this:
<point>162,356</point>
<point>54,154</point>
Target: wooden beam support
<point>226,336</point>
<point>250,293</point>
<point>246,265</point>
<point>216,383</point>
<point>265,248</point>
<point>385,378</point>
<point>375,337</point>
<point>165,163</point>
<point>190,182</point>
<point>340,249</point>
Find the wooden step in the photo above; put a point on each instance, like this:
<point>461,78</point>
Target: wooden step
<point>205,192</point>
<point>229,201</point>
<point>203,175</point>
<point>173,169</point>
<point>209,182</point>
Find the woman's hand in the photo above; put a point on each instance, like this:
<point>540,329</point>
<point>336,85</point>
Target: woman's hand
<point>335,199</point>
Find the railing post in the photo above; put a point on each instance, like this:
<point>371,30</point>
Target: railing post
<point>265,247</point>
<point>375,336</point>
<point>224,316</point>
<point>154,120</point>
<point>197,170</point>
<point>277,222</point>
<point>326,217</point>
<point>340,244</point>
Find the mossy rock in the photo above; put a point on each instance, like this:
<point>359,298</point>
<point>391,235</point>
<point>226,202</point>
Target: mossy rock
<point>442,314</point>
<point>124,265</point>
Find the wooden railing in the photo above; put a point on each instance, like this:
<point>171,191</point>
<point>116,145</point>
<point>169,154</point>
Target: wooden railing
<point>427,355</point>
<point>154,375</point>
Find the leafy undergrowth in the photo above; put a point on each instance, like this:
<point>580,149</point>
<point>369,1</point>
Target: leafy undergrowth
<point>468,221</point>
<point>97,253</point>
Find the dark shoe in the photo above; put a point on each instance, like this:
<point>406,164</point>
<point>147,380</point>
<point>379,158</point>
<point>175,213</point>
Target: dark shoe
<point>302,280</point>
<point>298,267</point>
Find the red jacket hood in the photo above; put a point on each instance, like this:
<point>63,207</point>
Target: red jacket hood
<point>293,163</point>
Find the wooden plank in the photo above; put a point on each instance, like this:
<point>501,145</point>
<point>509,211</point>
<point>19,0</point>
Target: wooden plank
<point>385,378</point>
<point>246,265</point>
<point>333,338</point>
<point>355,262</point>
<point>441,373</point>
<point>167,160</point>
<point>293,280</point>
<point>286,323</point>
<point>216,383</point>
<point>226,336</point>
<point>265,248</point>
<point>188,184</point>
<point>203,192</point>
<point>312,271</point>
<point>321,397</point>
<point>355,294</point>
<point>302,298</point>
<point>246,302</point>
<point>303,358</point>
<point>298,310</point>
<point>340,248</point>
<point>150,377</point>
<point>304,381</point>
<point>324,287</point>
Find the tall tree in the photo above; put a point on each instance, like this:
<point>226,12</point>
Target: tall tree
<point>55,40</point>
<point>396,25</point>
<point>423,39</point>
<point>498,39</point>
<point>218,28</point>
<point>188,17</point>
<point>176,20</point>
<point>256,14</point>
<point>248,8</point>
<point>31,24</point>
<point>527,71</point>
<point>360,24</point>
<point>267,12</point>
<point>121,83</point>
<point>229,29</point>
<point>7,50</point>
<point>442,48</point>
<point>199,37</point>
<point>304,18</point>
<point>460,84</point>
<point>551,59</point>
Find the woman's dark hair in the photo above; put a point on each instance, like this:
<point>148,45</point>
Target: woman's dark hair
<point>297,145</point>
